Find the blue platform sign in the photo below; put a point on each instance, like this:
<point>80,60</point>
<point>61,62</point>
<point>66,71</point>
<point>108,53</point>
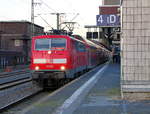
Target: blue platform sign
<point>108,20</point>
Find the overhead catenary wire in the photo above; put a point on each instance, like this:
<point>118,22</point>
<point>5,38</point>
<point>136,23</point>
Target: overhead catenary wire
<point>70,4</point>
<point>45,21</point>
<point>48,6</point>
<point>54,12</point>
<point>75,17</point>
<point>39,15</point>
<point>75,10</point>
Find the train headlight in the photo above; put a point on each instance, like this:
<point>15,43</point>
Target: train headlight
<point>49,52</point>
<point>37,68</point>
<point>62,68</point>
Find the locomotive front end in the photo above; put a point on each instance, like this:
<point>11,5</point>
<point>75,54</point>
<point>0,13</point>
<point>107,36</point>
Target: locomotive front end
<point>49,54</point>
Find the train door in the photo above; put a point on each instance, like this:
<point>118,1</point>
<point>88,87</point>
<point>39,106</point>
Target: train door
<point>74,56</point>
<point>89,58</point>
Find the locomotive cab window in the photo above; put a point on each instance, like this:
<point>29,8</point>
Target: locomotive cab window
<point>58,43</point>
<point>50,44</point>
<point>42,44</point>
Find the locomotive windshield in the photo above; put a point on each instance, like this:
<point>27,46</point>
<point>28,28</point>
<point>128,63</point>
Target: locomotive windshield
<point>50,44</point>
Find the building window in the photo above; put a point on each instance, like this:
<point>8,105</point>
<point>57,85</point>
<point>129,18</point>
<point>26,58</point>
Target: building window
<point>17,42</point>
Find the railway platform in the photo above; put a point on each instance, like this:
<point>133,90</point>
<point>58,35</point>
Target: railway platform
<point>96,92</point>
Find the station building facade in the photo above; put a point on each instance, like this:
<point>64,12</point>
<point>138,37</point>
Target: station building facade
<point>15,38</point>
<point>104,32</point>
<point>111,2</point>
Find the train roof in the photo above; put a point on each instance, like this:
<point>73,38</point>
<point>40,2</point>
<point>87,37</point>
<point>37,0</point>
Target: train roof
<point>101,44</point>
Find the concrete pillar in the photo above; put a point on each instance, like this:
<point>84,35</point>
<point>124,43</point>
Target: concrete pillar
<point>135,49</point>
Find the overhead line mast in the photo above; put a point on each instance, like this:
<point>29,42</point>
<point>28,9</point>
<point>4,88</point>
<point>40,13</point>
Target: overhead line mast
<point>58,18</point>
<point>69,25</point>
<point>32,18</point>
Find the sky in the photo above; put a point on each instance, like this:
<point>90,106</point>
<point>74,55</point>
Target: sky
<point>82,11</point>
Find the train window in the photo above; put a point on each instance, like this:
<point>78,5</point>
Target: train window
<point>50,44</point>
<point>58,43</point>
<point>80,47</point>
<point>42,44</point>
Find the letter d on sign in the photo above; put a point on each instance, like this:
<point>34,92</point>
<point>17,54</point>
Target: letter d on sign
<point>113,19</point>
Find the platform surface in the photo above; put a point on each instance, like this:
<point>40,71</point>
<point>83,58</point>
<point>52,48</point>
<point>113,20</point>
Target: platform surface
<point>103,97</point>
<point>49,104</point>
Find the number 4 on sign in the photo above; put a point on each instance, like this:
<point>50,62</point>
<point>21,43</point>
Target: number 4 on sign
<point>100,19</point>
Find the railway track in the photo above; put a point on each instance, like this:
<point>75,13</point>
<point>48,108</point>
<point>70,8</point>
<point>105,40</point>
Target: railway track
<point>15,86</point>
<point>17,89</point>
<point>18,85</point>
<point>8,77</point>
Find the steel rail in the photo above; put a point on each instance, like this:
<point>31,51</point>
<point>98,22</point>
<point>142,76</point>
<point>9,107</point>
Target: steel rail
<point>12,93</point>
<point>8,74</point>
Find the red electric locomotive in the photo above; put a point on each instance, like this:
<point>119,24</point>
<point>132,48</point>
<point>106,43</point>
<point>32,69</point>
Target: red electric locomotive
<point>62,56</point>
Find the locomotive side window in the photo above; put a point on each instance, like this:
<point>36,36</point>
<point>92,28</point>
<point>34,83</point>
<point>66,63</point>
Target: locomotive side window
<point>80,47</point>
<point>50,44</point>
